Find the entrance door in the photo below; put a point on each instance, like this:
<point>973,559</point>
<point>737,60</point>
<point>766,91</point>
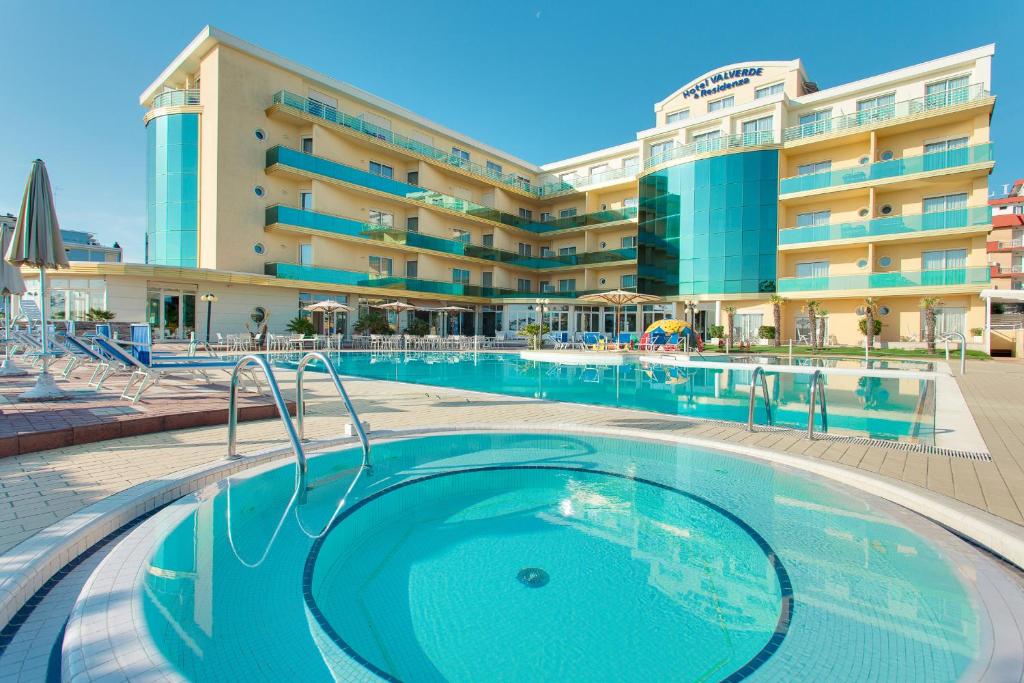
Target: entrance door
<point>171,313</point>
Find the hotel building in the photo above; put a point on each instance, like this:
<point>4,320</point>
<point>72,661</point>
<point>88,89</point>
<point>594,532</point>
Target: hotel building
<point>1006,243</point>
<point>272,186</point>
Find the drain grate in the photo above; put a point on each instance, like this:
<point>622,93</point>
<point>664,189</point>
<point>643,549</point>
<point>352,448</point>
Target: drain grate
<point>533,577</point>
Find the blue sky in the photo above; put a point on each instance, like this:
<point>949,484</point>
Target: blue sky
<point>541,79</point>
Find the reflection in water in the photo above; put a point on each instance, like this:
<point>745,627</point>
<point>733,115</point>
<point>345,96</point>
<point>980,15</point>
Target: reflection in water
<point>873,600</point>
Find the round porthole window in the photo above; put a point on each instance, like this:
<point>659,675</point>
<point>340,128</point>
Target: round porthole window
<point>604,244</point>
<point>885,261</point>
<point>863,213</point>
<point>259,190</point>
<point>864,160</point>
<point>863,263</point>
<point>258,315</point>
<point>886,209</point>
<point>884,310</point>
<point>887,155</point>
<point>259,248</point>
<point>260,135</point>
<point>603,281</point>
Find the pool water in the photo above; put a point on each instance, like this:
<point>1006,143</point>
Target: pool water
<point>878,407</point>
<point>521,557</point>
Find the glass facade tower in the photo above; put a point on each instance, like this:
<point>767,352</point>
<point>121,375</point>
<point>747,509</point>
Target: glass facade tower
<point>710,226</point>
<point>172,190</point>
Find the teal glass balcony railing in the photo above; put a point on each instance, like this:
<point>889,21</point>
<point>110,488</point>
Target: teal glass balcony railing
<point>337,225</point>
<point>936,161</point>
<point>721,143</point>
<point>285,156</point>
<point>892,225</point>
<point>979,275</point>
<point>329,113</point>
<point>176,98</point>
<point>868,117</point>
<point>294,271</point>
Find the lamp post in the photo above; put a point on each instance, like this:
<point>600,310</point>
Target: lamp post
<point>691,307</point>
<point>541,304</point>
<point>210,298</point>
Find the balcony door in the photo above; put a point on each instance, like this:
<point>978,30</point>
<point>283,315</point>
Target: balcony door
<point>171,312</point>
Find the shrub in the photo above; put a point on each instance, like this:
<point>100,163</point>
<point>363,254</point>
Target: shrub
<point>99,314</point>
<point>532,331</point>
<point>418,327</point>
<point>977,331</point>
<point>766,332</point>
<point>373,322</point>
<point>300,325</point>
<point>716,331</point>
<point>862,325</point>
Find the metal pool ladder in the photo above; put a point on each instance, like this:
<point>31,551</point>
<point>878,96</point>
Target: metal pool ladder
<point>357,425</point>
<point>817,396</point>
<point>758,373</point>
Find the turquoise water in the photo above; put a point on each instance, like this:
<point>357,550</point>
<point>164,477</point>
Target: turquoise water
<point>883,408</point>
<point>547,557</point>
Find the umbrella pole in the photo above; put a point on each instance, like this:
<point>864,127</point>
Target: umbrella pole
<point>45,389</point>
<point>9,368</point>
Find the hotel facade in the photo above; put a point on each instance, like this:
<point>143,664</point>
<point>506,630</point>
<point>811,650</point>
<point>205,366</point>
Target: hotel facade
<point>273,186</point>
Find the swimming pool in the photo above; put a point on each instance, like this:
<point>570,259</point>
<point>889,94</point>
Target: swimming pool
<point>899,408</point>
<point>522,557</point>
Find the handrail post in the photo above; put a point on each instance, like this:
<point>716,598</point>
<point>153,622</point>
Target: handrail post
<point>817,397</point>
<point>963,348</point>
<point>758,373</point>
<point>282,409</point>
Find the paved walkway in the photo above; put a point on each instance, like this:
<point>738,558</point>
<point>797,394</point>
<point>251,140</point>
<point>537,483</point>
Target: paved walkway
<point>37,489</point>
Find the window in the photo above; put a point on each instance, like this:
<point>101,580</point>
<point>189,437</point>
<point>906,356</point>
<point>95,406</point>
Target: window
<point>949,202</point>
<point>812,269</point>
<point>260,134</point>
<point>816,122</point>
<point>816,167</point>
<point>769,90</point>
<point>381,266</point>
<point>567,285</point>
<point>460,154</point>
<point>757,131</point>
<point>631,163</point>
<point>487,278</point>
<point>944,259</point>
<point>526,213</point>
<point>659,149</point>
<point>876,108</point>
<point>545,216</point>
<point>629,242</point>
<point>461,235</point>
<point>307,145</point>
<point>677,116</point>
<point>628,281</point>
<point>629,202</point>
<point>525,249</point>
<point>382,170</point>
<point>704,142</point>
<point>567,251</point>
<point>546,252</point>
<point>306,201</point>
<point>522,285</point>
<point>720,104</point>
<point>381,218</point>
<point>567,213</point>
<point>488,240</point>
<point>412,223</point>
<point>259,249</point>
<point>545,286</point>
<point>813,218</point>
<point>746,325</point>
<point>948,320</point>
<point>946,92</point>
<point>412,268</point>
<point>305,254</point>
<point>598,170</point>
<point>259,191</point>
<point>493,169</point>
<point>460,276</point>
<point>412,177</point>
<point>803,328</point>
<point>522,181</point>
<point>945,145</point>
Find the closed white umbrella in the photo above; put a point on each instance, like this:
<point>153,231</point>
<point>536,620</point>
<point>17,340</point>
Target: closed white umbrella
<point>37,242</point>
<point>10,284</point>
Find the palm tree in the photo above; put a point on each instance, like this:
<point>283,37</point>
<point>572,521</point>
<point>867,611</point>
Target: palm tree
<point>777,302</point>
<point>870,310</point>
<point>928,305</point>
<point>822,315</point>
<point>730,311</point>
<point>812,317</point>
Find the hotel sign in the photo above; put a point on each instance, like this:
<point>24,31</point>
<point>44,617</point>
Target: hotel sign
<point>722,81</point>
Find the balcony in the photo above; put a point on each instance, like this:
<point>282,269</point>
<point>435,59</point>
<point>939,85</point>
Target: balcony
<point>288,216</point>
<point>1010,245</point>
<point>719,144</point>
<point>598,178</point>
<point>1007,271</point>
<point>290,158</point>
<point>884,170</point>
<point>893,225</point>
<point>899,110</point>
<point>176,98</point>
<point>890,280</point>
<point>333,115</point>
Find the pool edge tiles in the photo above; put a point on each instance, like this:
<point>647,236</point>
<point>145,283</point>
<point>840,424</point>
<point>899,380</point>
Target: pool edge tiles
<point>786,601</point>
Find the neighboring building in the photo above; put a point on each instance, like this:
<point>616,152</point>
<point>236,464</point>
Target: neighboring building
<point>272,185</point>
<point>83,246</point>
<point>1006,243</point>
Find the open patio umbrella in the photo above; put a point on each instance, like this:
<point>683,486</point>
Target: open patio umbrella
<point>617,298</point>
<point>37,242</point>
<point>445,310</point>
<point>10,284</point>
<point>398,307</point>
<point>329,306</point>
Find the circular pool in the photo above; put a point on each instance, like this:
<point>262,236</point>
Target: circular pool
<point>520,557</point>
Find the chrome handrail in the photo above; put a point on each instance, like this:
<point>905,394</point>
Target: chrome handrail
<point>333,374</point>
<point>282,408</point>
<point>817,397</point>
<point>758,372</point>
<point>963,348</point>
